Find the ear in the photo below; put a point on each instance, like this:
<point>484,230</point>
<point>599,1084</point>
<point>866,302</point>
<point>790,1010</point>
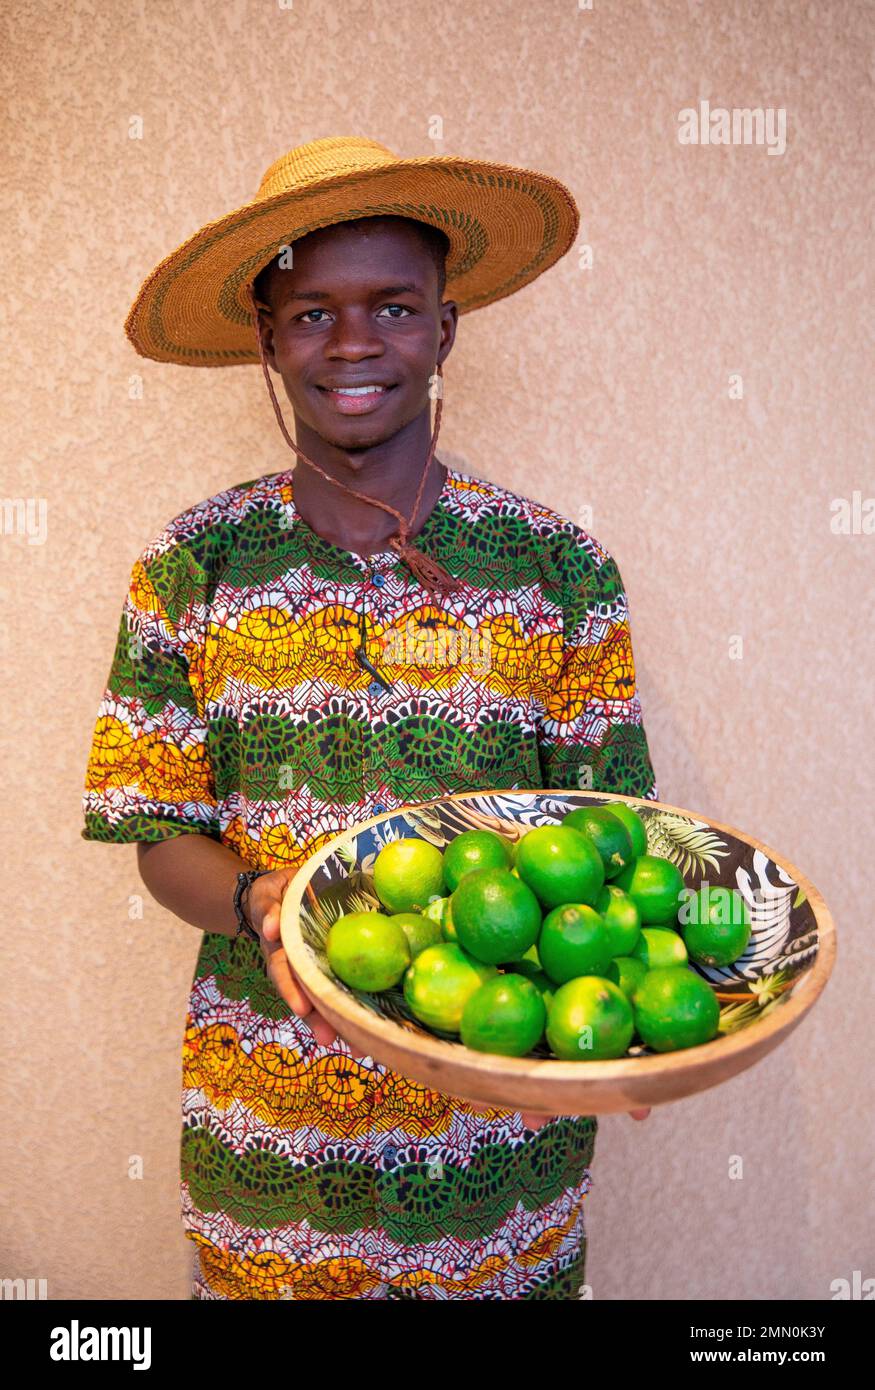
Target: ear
<point>264,327</point>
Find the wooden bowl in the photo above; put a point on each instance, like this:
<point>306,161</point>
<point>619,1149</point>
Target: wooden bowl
<point>763,996</point>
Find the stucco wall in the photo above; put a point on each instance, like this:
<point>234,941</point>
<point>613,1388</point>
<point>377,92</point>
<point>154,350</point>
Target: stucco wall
<point>605,388</point>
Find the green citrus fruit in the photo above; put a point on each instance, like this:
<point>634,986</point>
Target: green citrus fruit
<point>435,909</point>
<point>627,972</point>
<point>574,941</point>
<point>474,849</point>
<point>716,925</point>
<point>655,886</point>
<point>496,916</point>
<point>537,977</point>
<point>448,930</point>
<point>621,917</point>
<point>530,957</point>
<point>588,1019</point>
<point>608,834</point>
<point>420,930</point>
<point>658,947</point>
<point>675,1008</point>
<point>367,950</point>
<point>439,983</point>
<point>560,865</point>
<point>633,823</point>
<point>407,874</point>
<point>505,1015</point>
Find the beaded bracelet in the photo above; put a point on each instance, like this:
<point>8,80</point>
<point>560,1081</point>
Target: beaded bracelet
<point>244,881</point>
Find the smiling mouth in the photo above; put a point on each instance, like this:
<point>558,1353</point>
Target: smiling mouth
<point>364,399</point>
<point>356,390</point>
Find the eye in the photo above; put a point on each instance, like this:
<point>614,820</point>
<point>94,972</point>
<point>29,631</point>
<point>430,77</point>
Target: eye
<point>403,307</point>
<point>308,312</point>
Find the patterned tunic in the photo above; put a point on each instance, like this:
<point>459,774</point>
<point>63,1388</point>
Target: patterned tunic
<point>235,708</point>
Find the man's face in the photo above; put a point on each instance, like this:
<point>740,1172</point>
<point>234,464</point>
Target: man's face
<point>359,307</point>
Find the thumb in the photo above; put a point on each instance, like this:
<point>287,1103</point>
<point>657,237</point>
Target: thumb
<point>270,922</point>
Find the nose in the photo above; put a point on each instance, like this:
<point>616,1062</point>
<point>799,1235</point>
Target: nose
<point>354,336</point>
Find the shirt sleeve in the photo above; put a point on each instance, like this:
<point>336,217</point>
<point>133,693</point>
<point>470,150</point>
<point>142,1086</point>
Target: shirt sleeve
<point>592,732</point>
<point>148,775</point>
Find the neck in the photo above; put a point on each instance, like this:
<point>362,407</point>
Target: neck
<point>391,471</point>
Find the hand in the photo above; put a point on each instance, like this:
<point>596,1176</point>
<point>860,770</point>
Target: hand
<point>263,910</point>
<point>533,1119</point>
<point>536,1119</point>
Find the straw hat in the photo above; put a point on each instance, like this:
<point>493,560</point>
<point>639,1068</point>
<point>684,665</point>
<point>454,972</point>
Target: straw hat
<point>505,225</point>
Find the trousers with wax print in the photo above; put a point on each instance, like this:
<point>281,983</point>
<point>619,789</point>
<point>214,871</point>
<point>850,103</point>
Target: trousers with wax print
<point>237,707</point>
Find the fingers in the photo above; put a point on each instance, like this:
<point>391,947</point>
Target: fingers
<point>535,1119</point>
<point>287,984</point>
<point>270,923</point>
<point>275,885</point>
<point>532,1119</point>
<point>280,973</point>
<point>324,1032</point>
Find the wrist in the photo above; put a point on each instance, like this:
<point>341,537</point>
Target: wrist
<point>242,909</point>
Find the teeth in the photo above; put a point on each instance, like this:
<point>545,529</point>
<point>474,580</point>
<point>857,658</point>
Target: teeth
<point>355,390</point>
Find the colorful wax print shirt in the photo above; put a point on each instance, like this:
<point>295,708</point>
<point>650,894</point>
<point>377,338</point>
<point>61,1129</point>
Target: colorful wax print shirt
<point>235,708</point>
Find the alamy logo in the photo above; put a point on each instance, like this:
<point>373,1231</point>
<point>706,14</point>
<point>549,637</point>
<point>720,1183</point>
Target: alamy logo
<point>24,1288</point>
<point>75,1343</point>
<point>24,516</point>
<point>743,125</point>
<point>854,1288</point>
<point>415,644</point>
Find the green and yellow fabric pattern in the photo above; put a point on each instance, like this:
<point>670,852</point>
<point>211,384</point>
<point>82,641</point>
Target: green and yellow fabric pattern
<point>235,708</point>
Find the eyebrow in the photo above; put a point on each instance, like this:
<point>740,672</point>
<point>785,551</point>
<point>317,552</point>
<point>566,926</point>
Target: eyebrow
<point>386,289</point>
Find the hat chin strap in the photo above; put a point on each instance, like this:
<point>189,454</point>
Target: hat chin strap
<point>431,575</point>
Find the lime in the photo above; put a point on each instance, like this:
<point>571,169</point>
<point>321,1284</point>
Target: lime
<point>420,930</point>
<point>367,950</point>
<point>658,947</point>
<point>574,941</point>
<point>589,1018</point>
<point>675,1008</point>
<point>621,917</point>
<point>537,977</point>
<point>407,873</point>
<point>529,957</point>
<point>560,865</point>
<point>655,886</point>
<point>716,925</point>
<point>496,916</point>
<point>633,823</point>
<point>448,930</point>
<point>435,909</point>
<point>475,849</point>
<point>627,972</point>
<point>608,834</point>
<point>505,1015</point>
<point>439,983</point>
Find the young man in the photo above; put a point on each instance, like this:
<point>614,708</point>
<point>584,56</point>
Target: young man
<point>259,702</point>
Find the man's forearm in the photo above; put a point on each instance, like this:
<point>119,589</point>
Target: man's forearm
<point>194,877</point>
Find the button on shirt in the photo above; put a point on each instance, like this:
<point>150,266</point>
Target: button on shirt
<point>236,708</point>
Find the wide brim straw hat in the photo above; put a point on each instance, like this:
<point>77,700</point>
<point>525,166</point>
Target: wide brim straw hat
<point>505,226</point>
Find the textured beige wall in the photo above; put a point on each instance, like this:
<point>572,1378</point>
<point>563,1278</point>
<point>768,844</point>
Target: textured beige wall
<point>606,388</point>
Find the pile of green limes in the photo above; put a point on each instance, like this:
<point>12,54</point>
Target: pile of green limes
<point>573,933</point>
